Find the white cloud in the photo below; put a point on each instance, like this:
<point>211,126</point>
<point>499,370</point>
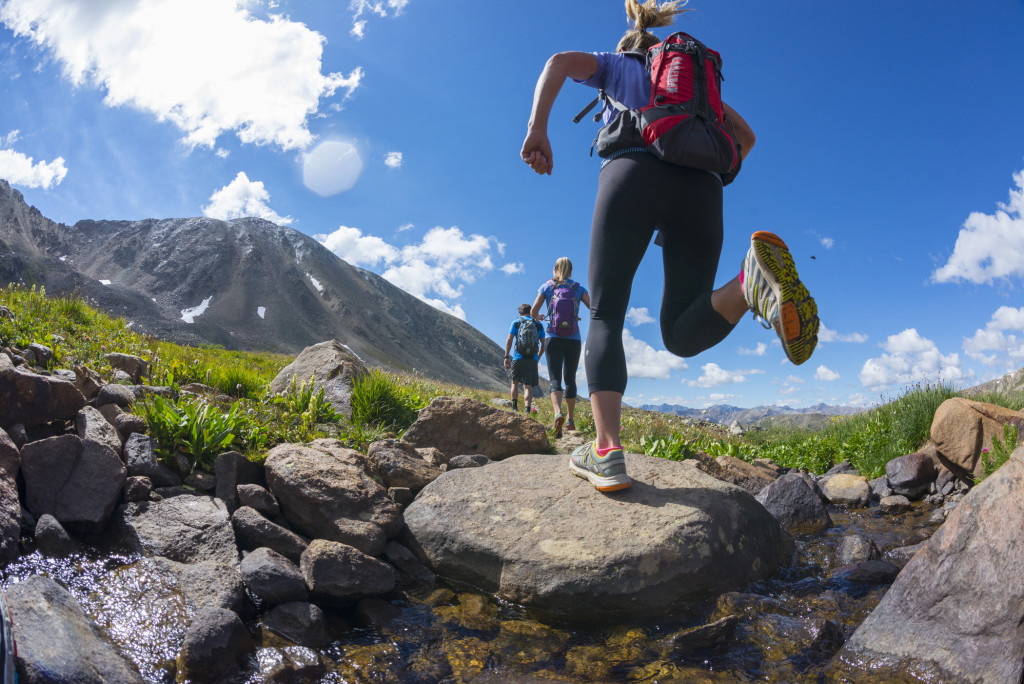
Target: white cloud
<point>404,227</point>
<point>378,7</point>
<point>434,270</point>
<point>715,376</point>
<point>393,160</point>
<point>644,361</point>
<point>19,169</point>
<point>512,269</point>
<point>998,345</point>
<point>243,197</point>
<point>760,350</point>
<point>206,66</point>
<point>989,246</point>
<point>827,242</point>
<point>826,334</point>
<point>11,138</point>
<point>826,374</point>
<point>909,358</point>
<point>638,316</point>
<point>357,249</point>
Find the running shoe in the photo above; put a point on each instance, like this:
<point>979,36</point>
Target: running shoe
<point>570,425</point>
<point>775,294</point>
<point>607,473</point>
<point>559,421</point>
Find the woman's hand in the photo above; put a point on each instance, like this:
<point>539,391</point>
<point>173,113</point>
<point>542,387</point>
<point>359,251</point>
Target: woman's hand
<point>536,152</point>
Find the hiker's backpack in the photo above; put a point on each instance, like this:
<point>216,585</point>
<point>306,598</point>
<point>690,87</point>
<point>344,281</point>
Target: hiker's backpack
<point>563,312</point>
<point>527,339</point>
<point>685,122</point>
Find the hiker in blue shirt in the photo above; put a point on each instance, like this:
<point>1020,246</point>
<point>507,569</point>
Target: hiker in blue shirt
<point>564,342</point>
<point>526,343</point>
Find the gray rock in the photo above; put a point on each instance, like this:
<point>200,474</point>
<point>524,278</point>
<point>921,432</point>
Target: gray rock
<point>91,424</point>
<point>402,496</point>
<point>894,504</point>
<point>290,665</point>
<point>31,399</point>
<point>87,381</point>
<point>201,481</point>
<point>399,464</point>
<point>879,488</point>
<point>52,539</point>
<point>273,578</point>
<point>794,503</point>
<point>845,489</point>
<point>299,622</point>
<point>853,548</point>
<point>332,367</point>
<point>458,425</point>
<point>232,469</point>
<point>339,573</point>
<point>39,354</point>
<point>902,555</point>
<point>10,503</point>
<point>910,475</point>
<point>410,570</point>
<point>258,498</point>
<point>57,642</point>
<point>141,460</point>
<point>128,423</point>
<point>121,395</point>
<point>136,367</point>
<point>137,488</point>
<point>468,461</point>
<point>695,638</point>
<point>187,529</point>
<point>318,491</point>
<point>77,482</point>
<point>215,647</point>
<point>675,534</point>
<point>958,605</point>
<point>253,531</point>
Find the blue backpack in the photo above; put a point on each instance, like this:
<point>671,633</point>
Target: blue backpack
<point>564,309</point>
<point>527,339</point>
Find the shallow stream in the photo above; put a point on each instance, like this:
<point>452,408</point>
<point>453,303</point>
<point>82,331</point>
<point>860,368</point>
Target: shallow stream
<point>785,629</point>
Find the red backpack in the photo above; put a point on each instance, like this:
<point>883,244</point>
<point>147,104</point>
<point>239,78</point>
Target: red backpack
<point>685,122</point>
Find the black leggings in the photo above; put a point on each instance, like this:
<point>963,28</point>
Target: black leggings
<point>563,354</point>
<point>637,193</point>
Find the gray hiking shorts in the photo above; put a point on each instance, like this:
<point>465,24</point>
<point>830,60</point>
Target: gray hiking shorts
<point>525,371</point>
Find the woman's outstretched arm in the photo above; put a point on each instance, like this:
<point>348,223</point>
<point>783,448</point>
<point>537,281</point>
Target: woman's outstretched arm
<point>537,148</point>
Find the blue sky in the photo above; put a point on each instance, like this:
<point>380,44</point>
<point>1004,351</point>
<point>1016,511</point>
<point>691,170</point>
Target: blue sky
<point>890,148</point>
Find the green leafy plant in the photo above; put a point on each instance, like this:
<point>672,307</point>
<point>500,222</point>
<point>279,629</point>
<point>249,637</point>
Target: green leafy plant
<point>1001,450</point>
<point>197,429</point>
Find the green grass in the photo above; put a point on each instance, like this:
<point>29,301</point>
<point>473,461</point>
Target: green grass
<point>385,404</point>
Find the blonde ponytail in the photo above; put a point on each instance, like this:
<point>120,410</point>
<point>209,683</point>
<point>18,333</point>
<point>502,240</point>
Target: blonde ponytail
<point>647,15</point>
<point>562,270</point>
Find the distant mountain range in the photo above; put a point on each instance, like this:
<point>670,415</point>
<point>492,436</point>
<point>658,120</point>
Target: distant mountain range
<point>724,414</point>
<point>244,284</point>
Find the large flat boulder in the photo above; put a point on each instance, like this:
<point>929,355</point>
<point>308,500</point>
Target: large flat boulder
<point>187,529</point>
<point>962,428</point>
<point>529,531</point>
<point>956,611</point>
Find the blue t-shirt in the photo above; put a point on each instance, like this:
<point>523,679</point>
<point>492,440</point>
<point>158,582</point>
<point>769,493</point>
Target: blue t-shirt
<point>623,77</point>
<point>515,328</point>
<point>548,291</point>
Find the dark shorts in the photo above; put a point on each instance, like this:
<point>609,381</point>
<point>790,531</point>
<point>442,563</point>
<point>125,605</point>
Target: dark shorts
<point>525,371</point>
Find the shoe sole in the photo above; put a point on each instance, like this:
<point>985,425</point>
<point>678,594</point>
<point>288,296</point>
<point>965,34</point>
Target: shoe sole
<point>559,421</point>
<point>601,484</point>
<point>798,313</point>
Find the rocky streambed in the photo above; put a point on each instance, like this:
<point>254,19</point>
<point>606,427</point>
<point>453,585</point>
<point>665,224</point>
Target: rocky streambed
<point>785,628</point>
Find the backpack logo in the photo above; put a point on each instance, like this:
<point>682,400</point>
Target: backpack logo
<point>684,123</point>
<point>527,339</point>
<point>564,309</point>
